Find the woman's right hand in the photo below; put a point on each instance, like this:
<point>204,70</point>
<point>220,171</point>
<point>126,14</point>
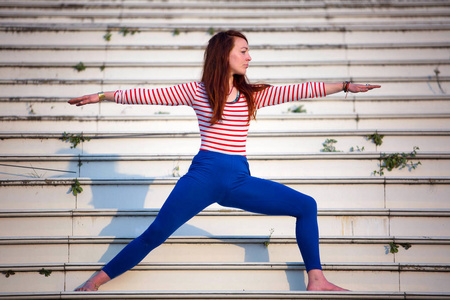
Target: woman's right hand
<point>86,99</point>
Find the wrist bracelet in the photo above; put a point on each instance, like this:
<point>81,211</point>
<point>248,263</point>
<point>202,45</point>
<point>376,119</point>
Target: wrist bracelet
<point>345,87</point>
<point>101,96</point>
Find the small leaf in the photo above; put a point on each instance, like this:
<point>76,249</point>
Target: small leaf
<point>74,139</point>
<point>8,273</point>
<point>406,246</point>
<point>124,31</point>
<point>328,146</point>
<point>76,187</point>
<point>80,67</point>
<point>300,109</point>
<point>45,272</point>
<point>393,247</point>
<point>376,138</point>
<point>107,36</point>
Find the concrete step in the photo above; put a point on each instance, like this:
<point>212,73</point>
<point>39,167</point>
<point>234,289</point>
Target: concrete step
<point>197,295</point>
<point>224,16</point>
<point>193,53</point>
<point>177,29</point>
<point>42,250</point>
<point>182,70</point>
<point>70,88</point>
<point>82,34</point>
<point>202,4</point>
<point>200,9</point>
<point>392,277</point>
<point>126,223</point>
<point>259,142</point>
<point>163,123</point>
<point>150,193</point>
<point>53,106</point>
<point>326,164</point>
<point>223,20</point>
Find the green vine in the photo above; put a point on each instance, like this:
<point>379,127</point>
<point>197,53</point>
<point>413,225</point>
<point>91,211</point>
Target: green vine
<point>76,187</point>
<point>80,67</point>
<point>107,36</point>
<point>8,273</point>
<point>176,171</point>
<point>357,149</point>
<point>125,31</point>
<point>376,138</point>
<point>75,140</point>
<point>328,146</point>
<point>45,272</point>
<point>397,160</point>
<point>267,243</point>
<point>393,247</point>
<point>300,109</point>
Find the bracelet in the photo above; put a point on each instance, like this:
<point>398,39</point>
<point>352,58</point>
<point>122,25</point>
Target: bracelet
<point>345,85</point>
<point>101,96</point>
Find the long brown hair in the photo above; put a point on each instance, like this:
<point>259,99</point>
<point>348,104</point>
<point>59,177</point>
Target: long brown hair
<point>216,69</point>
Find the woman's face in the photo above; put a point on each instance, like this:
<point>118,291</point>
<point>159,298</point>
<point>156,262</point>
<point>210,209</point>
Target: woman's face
<point>239,57</point>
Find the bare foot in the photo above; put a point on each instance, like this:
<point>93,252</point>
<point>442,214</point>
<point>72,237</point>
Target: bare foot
<point>89,286</point>
<point>328,287</point>
<point>94,282</point>
<point>318,282</point>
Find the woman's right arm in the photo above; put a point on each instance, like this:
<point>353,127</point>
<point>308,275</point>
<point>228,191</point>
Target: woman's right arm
<point>181,94</point>
<point>92,98</point>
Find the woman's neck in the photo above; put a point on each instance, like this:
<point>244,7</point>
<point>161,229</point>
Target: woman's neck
<point>233,93</point>
<point>230,82</point>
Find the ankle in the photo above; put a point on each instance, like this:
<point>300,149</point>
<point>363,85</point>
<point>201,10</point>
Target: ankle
<point>95,284</point>
<point>316,275</point>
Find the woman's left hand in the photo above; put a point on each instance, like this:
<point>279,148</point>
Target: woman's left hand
<point>361,88</point>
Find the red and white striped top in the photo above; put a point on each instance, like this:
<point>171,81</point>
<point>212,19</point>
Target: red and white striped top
<point>230,135</point>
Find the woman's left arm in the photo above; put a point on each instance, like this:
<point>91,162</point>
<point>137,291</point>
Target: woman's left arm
<point>332,88</point>
<point>274,95</point>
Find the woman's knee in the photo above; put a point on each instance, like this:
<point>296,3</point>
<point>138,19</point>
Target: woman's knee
<point>307,205</point>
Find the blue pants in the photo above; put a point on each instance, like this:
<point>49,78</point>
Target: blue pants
<point>225,179</point>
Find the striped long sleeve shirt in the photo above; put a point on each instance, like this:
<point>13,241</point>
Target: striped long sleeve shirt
<point>229,135</point>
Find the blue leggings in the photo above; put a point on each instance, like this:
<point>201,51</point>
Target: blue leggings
<point>225,179</point>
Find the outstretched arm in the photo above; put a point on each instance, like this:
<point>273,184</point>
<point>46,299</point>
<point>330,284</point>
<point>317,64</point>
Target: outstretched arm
<point>181,94</point>
<point>332,88</point>
<point>274,95</point>
<point>92,98</point>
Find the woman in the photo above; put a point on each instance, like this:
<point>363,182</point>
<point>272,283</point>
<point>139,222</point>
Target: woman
<point>224,103</point>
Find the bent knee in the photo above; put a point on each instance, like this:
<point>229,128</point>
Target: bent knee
<point>307,205</point>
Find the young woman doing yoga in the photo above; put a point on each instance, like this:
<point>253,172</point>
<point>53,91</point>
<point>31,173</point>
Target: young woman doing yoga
<point>224,102</point>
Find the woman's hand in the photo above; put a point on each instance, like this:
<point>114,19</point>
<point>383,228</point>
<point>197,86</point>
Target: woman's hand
<point>331,88</point>
<point>83,100</point>
<point>361,88</point>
